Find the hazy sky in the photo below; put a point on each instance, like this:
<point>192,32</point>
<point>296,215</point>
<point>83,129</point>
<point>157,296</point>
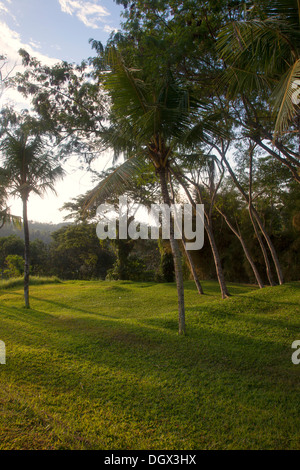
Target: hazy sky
<point>54,30</point>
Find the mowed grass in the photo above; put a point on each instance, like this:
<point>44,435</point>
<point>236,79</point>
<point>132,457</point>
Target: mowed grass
<point>99,365</point>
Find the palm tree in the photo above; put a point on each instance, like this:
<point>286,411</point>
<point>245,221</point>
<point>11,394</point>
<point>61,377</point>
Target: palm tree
<point>262,51</point>
<point>29,169</point>
<point>5,215</point>
<point>148,119</point>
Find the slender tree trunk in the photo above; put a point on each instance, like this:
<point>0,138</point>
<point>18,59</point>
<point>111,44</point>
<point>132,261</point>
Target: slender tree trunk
<point>252,264</point>
<point>212,242</point>
<point>176,255</point>
<point>250,206</point>
<point>193,269</point>
<point>217,259</point>
<point>270,246</point>
<point>263,249</point>
<point>26,253</point>
<point>246,251</point>
<point>260,224</point>
<point>187,253</point>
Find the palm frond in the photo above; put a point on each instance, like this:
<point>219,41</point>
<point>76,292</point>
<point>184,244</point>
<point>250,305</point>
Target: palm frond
<point>266,43</point>
<point>256,53</point>
<point>143,107</point>
<point>288,9</point>
<point>117,182</point>
<point>287,98</point>
<point>127,91</point>
<point>28,165</point>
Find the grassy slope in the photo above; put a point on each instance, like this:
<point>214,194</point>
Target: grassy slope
<point>98,365</point>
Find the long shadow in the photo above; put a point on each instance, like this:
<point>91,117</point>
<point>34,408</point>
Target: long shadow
<point>274,301</point>
<point>74,309</point>
<point>112,359</point>
<point>60,305</point>
<point>141,338</point>
<point>106,360</point>
<point>222,370</point>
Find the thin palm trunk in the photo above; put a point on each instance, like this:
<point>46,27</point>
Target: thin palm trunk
<point>217,259</point>
<point>260,224</point>
<point>250,207</point>
<point>262,246</point>
<point>270,246</point>
<point>193,269</point>
<point>26,253</point>
<point>187,253</point>
<point>244,246</point>
<point>212,242</point>
<point>176,256</point>
<point>208,225</point>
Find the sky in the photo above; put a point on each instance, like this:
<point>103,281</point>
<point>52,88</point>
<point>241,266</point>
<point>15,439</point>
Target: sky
<point>54,30</point>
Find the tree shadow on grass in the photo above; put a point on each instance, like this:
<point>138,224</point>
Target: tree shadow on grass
<point>212,384</point>
<point>200,382</point>
<point>75,309</point>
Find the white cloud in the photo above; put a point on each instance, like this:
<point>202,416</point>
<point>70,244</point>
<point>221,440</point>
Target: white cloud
<point>35,44</point>
<point>109,29</point>
<point>89,13</point>
<point>10,43</point>
<point>5,10</point>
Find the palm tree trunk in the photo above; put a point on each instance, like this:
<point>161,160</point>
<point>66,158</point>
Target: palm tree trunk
<point>217,260</point>
<point>246,251</point>
<point>26,253</point>
<point>270,246</point>
<point>193,269</point>
<point>212,242</point>
<point>259,222</point>
<point>250,206</point>
<point>262,246</point>
<point>176,255</point>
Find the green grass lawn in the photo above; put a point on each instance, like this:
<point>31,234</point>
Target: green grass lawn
<point>99,365</point>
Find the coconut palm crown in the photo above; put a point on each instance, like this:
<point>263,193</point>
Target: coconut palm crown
<point>149,119</point>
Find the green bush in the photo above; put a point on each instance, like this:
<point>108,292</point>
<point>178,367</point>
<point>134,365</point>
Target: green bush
<point>14,266</point>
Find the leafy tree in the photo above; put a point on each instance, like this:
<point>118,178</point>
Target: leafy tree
<point>10,245</point>
<point>167,52</point>
<point>68,101</point>
<point>166,273</point>
<point>4,210</point>
<point>76,253</point>
<point>228,204</point>
<point>40,258</point>
<point>5,73</point>
<point>14,266</point>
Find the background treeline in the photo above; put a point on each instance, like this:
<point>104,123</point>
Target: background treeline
<point>73,250</point>
<point>38,230</point>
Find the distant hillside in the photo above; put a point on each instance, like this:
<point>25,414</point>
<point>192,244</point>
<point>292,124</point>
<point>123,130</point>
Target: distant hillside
<point>39,230</point>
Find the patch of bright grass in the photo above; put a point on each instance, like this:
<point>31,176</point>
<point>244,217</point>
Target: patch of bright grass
<point>33,281</point>
<point>100,365</point>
